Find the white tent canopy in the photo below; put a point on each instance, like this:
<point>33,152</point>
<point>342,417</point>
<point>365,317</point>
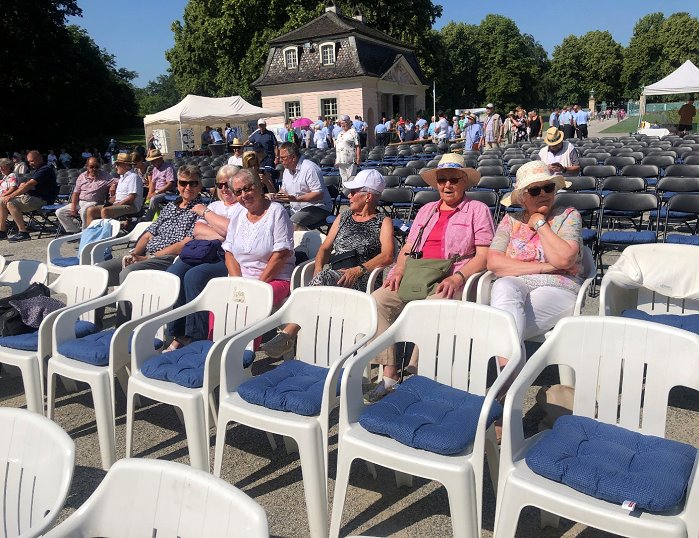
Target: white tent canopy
<point>194,112</point>
<point>684,79</point>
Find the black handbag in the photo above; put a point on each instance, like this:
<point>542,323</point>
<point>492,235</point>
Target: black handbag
<point>11,322</point>
<point>345,260</point>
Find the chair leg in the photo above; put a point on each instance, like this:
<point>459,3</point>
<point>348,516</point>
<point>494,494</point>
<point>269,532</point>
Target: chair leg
<point>493,454</point>
<point>549,520</point>
<point>403,480</point>
<point>344,464</point>
<point>31,378</point>
<point>104,415</point>
<point>221,427</point>
<point>197,436</point>
<point>507,512</point>
<point>314,482</point>
<point>131,398</point>
<point>462,504</point>
<point>50,392</point>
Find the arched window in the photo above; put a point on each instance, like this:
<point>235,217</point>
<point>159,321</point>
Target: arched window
<point>327,53</point>
<point>291,57</point>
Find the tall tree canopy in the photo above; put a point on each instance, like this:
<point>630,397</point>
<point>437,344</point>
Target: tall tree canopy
<point>158,95</point>
<point>60,84</point>
<point>221,45</point>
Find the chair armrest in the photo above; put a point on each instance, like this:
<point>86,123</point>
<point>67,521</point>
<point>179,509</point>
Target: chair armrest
<point>307,272</point>
<point>373,277</point>
<point>470,292</point>
<point>98,249</point>
<point>297,275</point>
<point>64,326</point>
<point>483,289</point>
<point>582,294</point>
<point>53,251</point>
<point>119,346</point>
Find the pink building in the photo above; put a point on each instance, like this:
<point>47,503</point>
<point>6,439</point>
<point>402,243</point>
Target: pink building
<point>338,65</point>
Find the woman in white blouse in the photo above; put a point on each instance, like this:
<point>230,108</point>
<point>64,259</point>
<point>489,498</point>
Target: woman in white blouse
<point>260,239</point>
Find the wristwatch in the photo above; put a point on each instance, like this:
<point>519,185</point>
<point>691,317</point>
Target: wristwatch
<point>538,224</point>
<point>364,270</point>
<point>207,210</point>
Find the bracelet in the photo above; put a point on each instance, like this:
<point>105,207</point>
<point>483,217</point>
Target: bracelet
<point>461,275</point>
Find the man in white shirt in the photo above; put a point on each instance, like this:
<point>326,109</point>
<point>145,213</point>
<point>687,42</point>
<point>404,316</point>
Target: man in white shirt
<point>441,129</point>
<point>237,158</point>
<point>303,189</point>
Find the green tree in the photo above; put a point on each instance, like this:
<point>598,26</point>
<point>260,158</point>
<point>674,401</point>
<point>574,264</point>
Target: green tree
<point>679,35</point>
<point>458,69</point>
<point>643,57</point>
<point>58,86</point>
<point>221,47</point>
<point>158,95</point>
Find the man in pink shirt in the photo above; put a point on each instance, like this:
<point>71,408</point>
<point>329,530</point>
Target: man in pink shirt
<point>91,188</point>
<point>162,182</point>
<point>453,225</point>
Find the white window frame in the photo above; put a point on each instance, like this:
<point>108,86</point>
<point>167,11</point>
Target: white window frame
<point>295,61</point>
<point>324,46</point>
<point>297,106</point>
<point>322,109</point>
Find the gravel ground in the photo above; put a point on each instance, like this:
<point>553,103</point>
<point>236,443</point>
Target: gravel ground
<point>374,507</point>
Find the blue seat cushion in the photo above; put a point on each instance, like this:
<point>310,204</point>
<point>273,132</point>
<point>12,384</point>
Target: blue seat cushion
<point>679,239</point>
<point>184,366</point>
<point>93,348</point>
<point>614,464</point>
<point>423,413</point>
<point>687,322</point>
<point>629,238</point>
<point>293,386</point>
<point>30,341</point>
<point>588,235</point>
<point>66,262</point>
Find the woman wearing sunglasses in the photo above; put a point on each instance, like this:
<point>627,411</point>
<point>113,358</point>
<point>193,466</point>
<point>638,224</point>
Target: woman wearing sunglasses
<point>536,253</point>
<point>211,225</point>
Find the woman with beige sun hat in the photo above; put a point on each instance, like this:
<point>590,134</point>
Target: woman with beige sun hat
<point>537,253</point>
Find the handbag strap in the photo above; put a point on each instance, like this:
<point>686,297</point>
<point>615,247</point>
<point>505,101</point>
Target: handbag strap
<point>414,248</point>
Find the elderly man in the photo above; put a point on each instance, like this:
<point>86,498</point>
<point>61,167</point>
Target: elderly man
<point>91,189</point>
<point>268,141</point>
<point>580,119</point>
<point>559,154</point>
<point>162,182</point>
<point>303,188</point>
<point>40,190</point>
<point>347,149</point>
<point>492,130</point>
<point>126,195</point>
<point>565,122</point>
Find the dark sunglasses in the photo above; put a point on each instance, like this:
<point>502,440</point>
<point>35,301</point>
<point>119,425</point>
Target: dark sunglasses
<point>443,180</point>
<point>352,192</point>
<point>247,188</point>
<point>192,184</point>
<point>222,185</point>
<point>536,191</point>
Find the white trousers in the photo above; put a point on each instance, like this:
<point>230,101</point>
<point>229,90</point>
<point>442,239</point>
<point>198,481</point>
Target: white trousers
<point>69,223</point>
<point>347,170</point>
<point>536,311</point>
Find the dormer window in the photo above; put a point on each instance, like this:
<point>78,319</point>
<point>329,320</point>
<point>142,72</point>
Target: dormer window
<point>327,53</point>
<point>291,57</point>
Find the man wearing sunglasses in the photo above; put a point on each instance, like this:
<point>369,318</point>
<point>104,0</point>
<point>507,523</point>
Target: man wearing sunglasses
<point>91,189</point>
<point>558,154</point>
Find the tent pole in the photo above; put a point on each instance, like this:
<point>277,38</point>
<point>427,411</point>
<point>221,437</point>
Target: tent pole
<point>641,109</point>
<point>181,138</point>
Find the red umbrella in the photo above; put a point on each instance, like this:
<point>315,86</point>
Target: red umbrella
<point>302,122</point>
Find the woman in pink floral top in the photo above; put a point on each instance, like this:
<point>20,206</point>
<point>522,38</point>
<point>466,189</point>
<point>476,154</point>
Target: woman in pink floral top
<point>8,179</point>
<point>537,254</point>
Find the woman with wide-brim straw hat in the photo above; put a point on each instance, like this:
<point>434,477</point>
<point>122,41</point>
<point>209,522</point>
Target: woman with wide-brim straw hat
<point>454,225</point>
<point>252,159</point>
<point>536,253</point>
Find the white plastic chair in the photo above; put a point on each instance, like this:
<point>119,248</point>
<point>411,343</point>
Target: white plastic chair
<point>657,279</point>
<point>457,340</point>
<point>37,459</point>
<point>141,498</point>
<point>624,371</point>
<point>19,274</point>
<point>235,303</point>
<point>150,293</point>
<point>308,241</point>
<point>79,283</point>
<point>96,251</point>
<point>335,323</point>
<point>53,251</point>
<point>3,262</point>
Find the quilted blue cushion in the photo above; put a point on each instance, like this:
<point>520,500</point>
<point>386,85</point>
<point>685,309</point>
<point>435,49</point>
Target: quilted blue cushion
<point>614,464</point>
<point>682,239</point>
<point>688,322</point>
<point>293,386</point>
<point>66,262</point>
<point>426,414</point>
<point>30,341</point>
<point>93,348</point>
<point>629,238</point>
<point>588,235</point>
<point>185,366</point>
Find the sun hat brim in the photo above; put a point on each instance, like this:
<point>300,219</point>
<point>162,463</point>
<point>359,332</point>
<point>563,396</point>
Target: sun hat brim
<point>560,182</point>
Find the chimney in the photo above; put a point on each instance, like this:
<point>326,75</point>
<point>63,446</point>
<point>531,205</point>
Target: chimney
<point>358,15</point>
<point>330,6</point>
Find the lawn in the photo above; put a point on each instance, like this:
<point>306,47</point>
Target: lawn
<point>131,137</point>
<point>628,125</point>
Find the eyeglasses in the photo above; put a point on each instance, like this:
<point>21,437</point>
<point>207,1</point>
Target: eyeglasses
<point>223,185</point>
<point>443,180</point>
<point>352,192</point>
<point>184,184</point>
<point>536,191</point>
<point>247,188</point>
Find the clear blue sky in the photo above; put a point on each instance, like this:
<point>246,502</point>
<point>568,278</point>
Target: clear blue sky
<point>138,32</point>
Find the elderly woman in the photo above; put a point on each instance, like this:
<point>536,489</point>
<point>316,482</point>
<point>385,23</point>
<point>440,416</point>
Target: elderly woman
<point>8,179</point>
<point>537,253</point>
<point>452,226</point>
<point>260,238</point>
<point>472,132</point>
<point>361,236</point>
<point>251,161</point>
<point>212,225</point>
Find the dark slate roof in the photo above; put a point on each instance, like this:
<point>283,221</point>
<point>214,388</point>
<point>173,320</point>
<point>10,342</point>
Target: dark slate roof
<point>331,24</point>
<point>377,59</point>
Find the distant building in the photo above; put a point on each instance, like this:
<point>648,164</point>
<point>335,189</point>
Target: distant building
<point>338,65</point>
